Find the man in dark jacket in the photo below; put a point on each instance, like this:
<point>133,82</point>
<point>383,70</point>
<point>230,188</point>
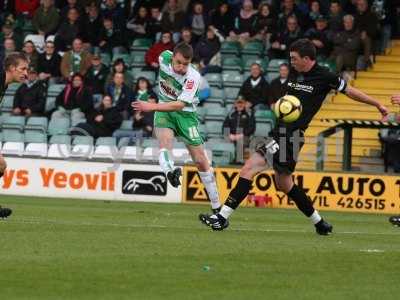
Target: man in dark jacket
<point>278,86</point>
<point>255,89</point>
<point>367,23</point>
<point>92,25</point>
<point>346,45</point>
<point>319,35</point>
<point>30,97</point>
<point>111,36</point>
<point>96,76</point>
<point>120,93</point>
<point>46,18</point>
<point>49,63</point>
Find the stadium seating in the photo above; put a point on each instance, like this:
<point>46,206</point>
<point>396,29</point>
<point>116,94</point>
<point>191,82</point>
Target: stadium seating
<point>7,104</point>
<point>13,122</point>
<point>106,148</point>
<point>59,126</point>
<point>253,48</point>
<point>13,142</point>
<point>232,63</point>
<point>230,48</point>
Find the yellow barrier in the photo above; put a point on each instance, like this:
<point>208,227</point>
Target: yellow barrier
<point>329,191</point>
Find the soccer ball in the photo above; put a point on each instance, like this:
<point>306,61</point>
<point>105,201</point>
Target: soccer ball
<point>288,108</point>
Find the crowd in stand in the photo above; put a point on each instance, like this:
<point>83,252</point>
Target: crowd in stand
<point>69,38</point>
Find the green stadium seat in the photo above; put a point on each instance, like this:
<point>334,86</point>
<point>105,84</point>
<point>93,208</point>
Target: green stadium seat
<point>55,89</point>
<point>141,44</point>
<point>214,129</point>
<point>263,129</point>
<point>12,135</point>
<point>61,139</point>
<point>50,103</point>
<point>34,136</point>
<point>59,126</point>
<point>202,131</point>
<point>7,103</point>
<point>13,122</point>
<point>328,64</point>
<point>150,143</point>
<point>201,112</point>
<point>232,79</point>
<point>106,141</point>
<point>249,60</point>
<point>137,61</point>
<point>265,116</point>
<point>37,123</point>
<point>214,79</point>
<point>223,153</point>
<point>126,125</point>
<point>232,63</point>
<point>216,113</point>
<point>230,48</point>
<point>253,48</point>
<point>12,88</point>
<point>105,59</point>
<point>83,140</point>
<point>271,76</point>
<point>231,94</point>
<point>217,96</point>
<point>273,65</point>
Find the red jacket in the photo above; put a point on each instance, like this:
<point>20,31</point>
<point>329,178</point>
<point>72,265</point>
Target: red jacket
<point>154,52</point>
<point>29,6</point>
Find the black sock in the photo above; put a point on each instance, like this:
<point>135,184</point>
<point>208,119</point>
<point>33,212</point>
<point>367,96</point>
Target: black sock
<point>239,192</point>
<point>300,198</point>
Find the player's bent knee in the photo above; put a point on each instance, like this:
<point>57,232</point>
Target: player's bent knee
<point>247,171</point>
<point>3,165</point>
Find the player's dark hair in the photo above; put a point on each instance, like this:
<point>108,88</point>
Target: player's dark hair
<point>304,47</point>
<point>185,49</point>
<point>13,60</point>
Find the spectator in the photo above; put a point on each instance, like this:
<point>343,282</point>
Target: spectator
<point>68,30</point>
<point>143,90</point>
<point>335,19</point>
<point>346,45</point>
<point>102,122</point>
<point>113,10</point>
<point>207,51</point>
<point>46,18</point>
<point>154,52</point>
<point>120,67</point>
<point>289,9</point>
<point>255,89</point>
<point>65,9</point>
<point>315,12</point>
<point>244,24</point>
<point>281,41</point>
<point>137,26</point>
<point>26,7</point>
<point>143,122</point>
<point>8,47</point>
<point>154,27</point>
<point>187,37</point>
<point>320,37</point>
<point>173,19</point>
<point>92,26</point>
<point>30,97</point>
<point>31,53</point>
<point>240,123</point>
<point>76,60</point>
<point>198,21</point>
<point>74,101</point>
<point>223,19</point>
<point>278,87</point>
<point>8,32</point>
<point>49,63</point>
<point>111,38</point>
<point>265,22</point>
<point>121,94</point>
<point>96,77</point>
<point>367,23</point>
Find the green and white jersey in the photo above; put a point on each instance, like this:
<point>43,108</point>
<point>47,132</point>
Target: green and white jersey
<point>173,87</point>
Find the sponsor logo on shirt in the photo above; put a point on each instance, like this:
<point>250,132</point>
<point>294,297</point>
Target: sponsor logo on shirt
<point>168,90</point>
<point>301,87</point>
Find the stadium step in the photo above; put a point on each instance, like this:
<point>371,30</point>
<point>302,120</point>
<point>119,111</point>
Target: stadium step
<point>388,58</point>
<point>376,74</point>
<point>386,67</point>
<point>343,99</point>
<point>377,83</point>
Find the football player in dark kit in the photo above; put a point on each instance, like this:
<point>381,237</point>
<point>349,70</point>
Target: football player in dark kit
<point>310,83</point>
<point>15,69</point>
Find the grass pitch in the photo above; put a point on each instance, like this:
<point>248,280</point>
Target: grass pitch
<point>77,249</point>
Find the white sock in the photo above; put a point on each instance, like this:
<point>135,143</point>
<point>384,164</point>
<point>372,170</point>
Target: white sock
<point>315,217</point>
<point>226,211</point>
<point>208,180</point>
<point>165,161</point>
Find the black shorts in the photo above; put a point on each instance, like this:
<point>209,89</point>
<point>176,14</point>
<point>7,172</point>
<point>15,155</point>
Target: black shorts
<point>284,159</point>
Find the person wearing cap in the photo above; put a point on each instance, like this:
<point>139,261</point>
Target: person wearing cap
<point>96,76</point>
<point>30,97</point>
<point>49,63</point>
<point>319,36</point>
<point>240,123</point>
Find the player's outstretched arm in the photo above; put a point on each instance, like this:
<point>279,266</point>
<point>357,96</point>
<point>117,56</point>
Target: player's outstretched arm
<point>147,106</point>
<point>360,96</point>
